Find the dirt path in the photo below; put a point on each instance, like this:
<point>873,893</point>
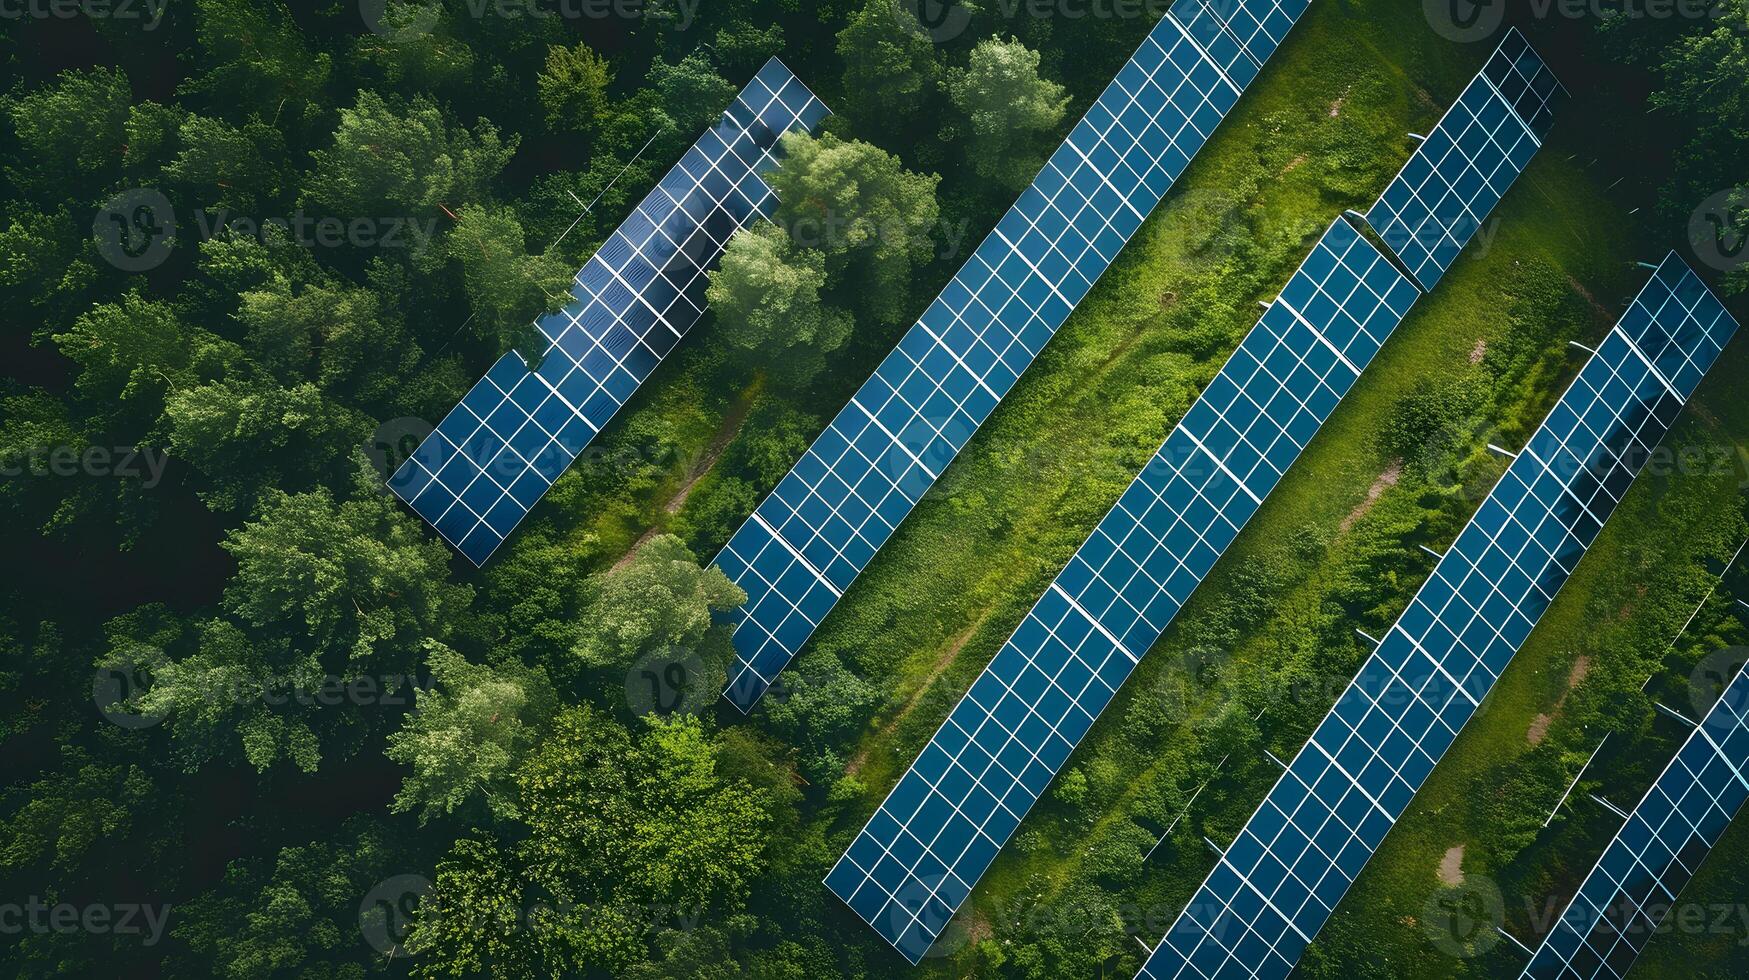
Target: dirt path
<point>1598,309</point>
<point>1539,726</point>
<point>1451,867</point>
<point>701,466</point>
<point>1386,480</point>
<point>948,654</point>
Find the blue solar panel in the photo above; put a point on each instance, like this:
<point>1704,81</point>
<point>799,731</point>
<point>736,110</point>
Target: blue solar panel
<point>934,835</point>
<point>1465,165</point>
<point>1259,26</point>
<point>1281,878</point>
<point>497,452</point>
<point>809,540</point>
<point>1630,891</point>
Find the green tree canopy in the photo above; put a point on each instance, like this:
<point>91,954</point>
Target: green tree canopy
<point>69,134</point>
<point>507,287</point>
<point>1008,106</point>
<point>573,87</point>
<point>403,159</point>
<point>468,734</point>
<point>873,218</point>
<point>766,295</point>
<point>658,599</point>
<point>889,67</point>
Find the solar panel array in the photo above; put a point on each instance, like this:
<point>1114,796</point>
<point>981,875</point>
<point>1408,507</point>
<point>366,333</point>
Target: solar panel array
<point>819,528</point>
<point>1280,879</point>
<point>929,842</point>
<point>496,453</point>
<point>1465,165</point>
<point>1630,891</point>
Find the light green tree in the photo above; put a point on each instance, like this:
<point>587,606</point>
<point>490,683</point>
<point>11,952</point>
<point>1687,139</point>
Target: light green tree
<point>507,287</point>
<point>388,160</point>
<point>691,92</point>
<point>68,133</point>
<point>468,734</point>
<point>573,87</point>
<point>766,295</point>
<point>659,599</point>
<point>1008,107</point>
<point>872,217</point>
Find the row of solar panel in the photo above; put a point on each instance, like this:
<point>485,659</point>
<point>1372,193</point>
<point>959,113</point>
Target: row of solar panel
<point>991,760</point>
<point>819,528</point>
<point>496,453</point>
<point>932,838</point>
<point>1282,877</point>
<point>1623,901</point>
<point>1466,164</point>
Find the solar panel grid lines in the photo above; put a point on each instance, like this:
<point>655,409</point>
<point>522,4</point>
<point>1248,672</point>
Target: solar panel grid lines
<point>1437,203</point>
<point>1255,27</point>
<point>1629,892</point>
<point>939,828</point>
<point>516,431</point>
<point>860,479</point>
<point>1363,764</point>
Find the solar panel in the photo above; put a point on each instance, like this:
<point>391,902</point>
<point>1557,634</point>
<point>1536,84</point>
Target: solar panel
<point>496,453</point>
<point>1630,891</point>
<point>1259,26</point>
<point>819,528</point>
<point>1280,879</point>
<point>918,857</point>
<point>1465,165</point>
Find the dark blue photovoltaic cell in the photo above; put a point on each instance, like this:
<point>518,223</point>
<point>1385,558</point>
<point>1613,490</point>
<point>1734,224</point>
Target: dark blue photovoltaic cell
<point>1629,892</point>
<point>496,453</point>
<point>1203,22</point>
<point>1437,203</point>
<point>818,529</point>
<point>929,842</point>
<point>1281,878</point>
<point>1517,72</point>
<point>1258,25</point>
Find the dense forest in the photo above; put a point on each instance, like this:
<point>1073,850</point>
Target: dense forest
<point>257,720</point>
